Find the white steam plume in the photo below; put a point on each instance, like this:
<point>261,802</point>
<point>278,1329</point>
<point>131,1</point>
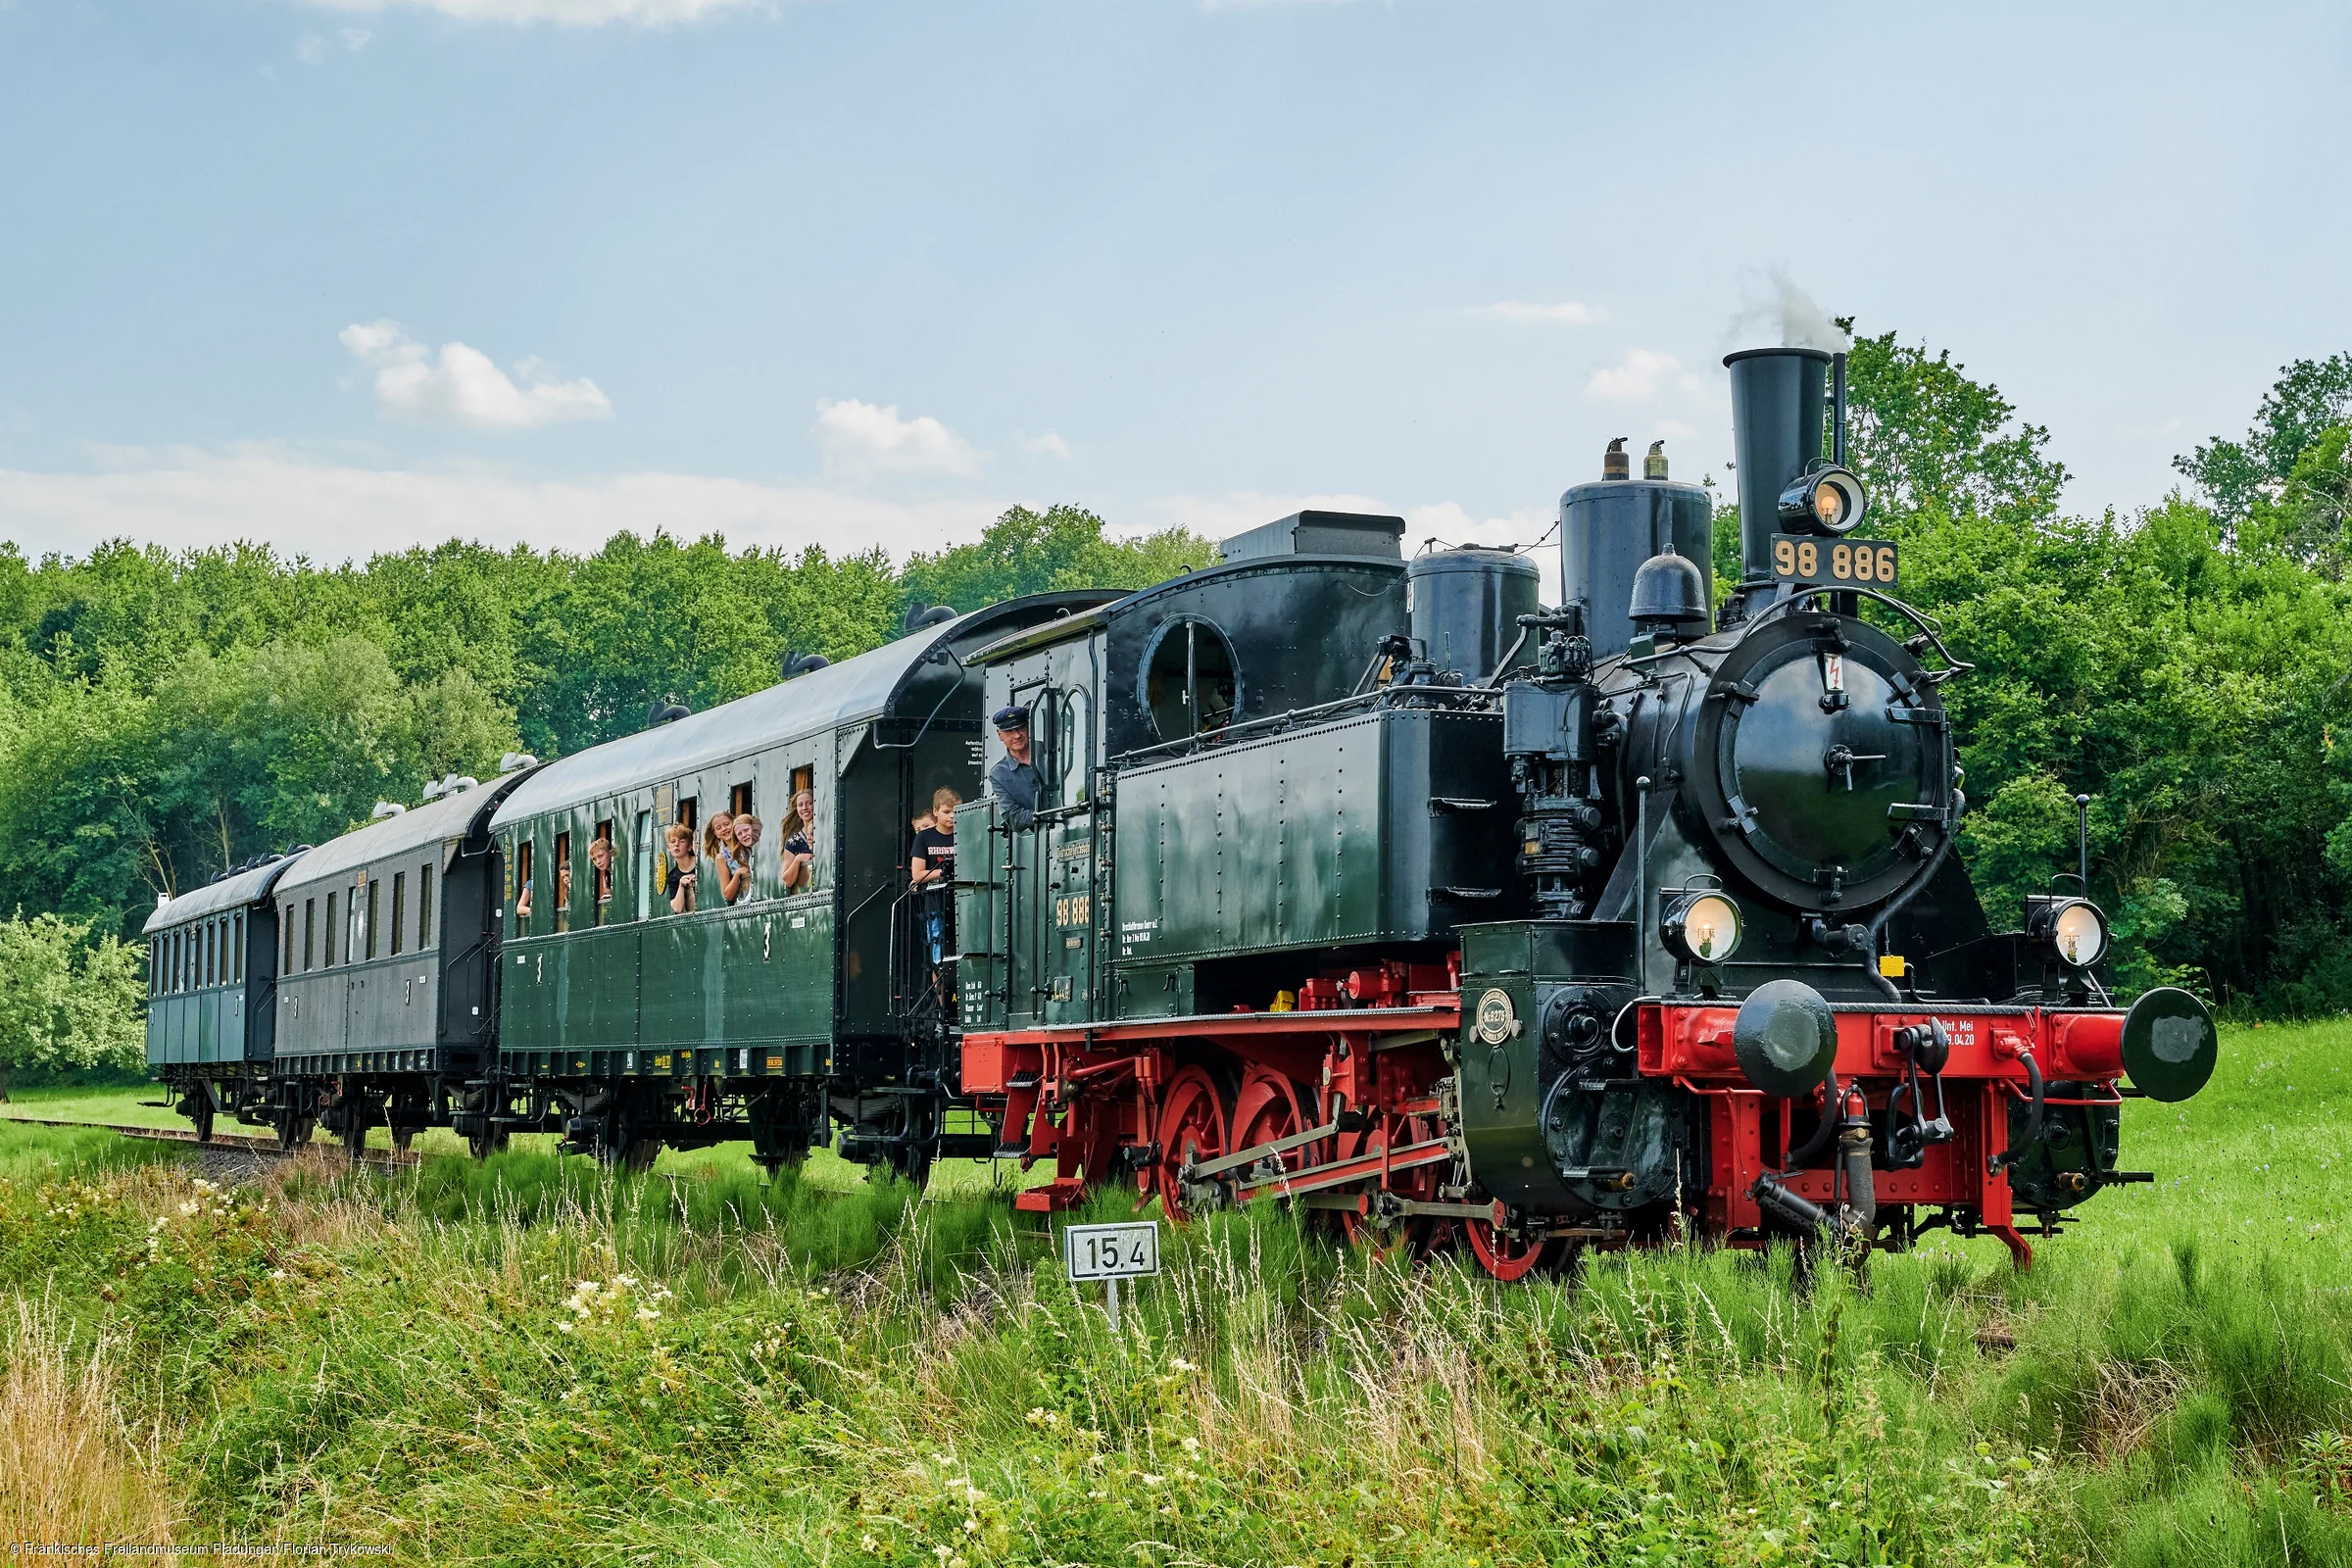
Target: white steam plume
<point>1802,324</point>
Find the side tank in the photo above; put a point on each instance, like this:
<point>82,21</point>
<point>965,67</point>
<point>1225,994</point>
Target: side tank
<point>1465,606</point>
<point>1609,528</point>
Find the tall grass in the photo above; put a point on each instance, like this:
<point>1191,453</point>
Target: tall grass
<point>534,1361</point>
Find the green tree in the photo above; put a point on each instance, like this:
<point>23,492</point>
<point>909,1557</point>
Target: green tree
<point>67,999</point>
<point>2309,398</point>
<point>1025,552</point>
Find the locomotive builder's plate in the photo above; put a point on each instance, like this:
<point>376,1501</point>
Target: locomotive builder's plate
<point>1837,563</point>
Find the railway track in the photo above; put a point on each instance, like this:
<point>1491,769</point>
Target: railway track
<point>260,1148</point>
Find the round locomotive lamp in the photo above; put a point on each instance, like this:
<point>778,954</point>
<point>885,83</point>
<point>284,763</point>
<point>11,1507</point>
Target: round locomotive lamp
<point>1703,927</point>
<point>2073,928</point>
<point>1827,501</point>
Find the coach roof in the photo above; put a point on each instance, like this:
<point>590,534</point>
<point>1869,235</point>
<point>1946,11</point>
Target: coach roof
<point>229,893</point>
<point>451,816</point>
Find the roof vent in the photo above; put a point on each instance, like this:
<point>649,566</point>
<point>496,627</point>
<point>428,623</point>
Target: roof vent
<point>432,792</point>
<point>920,615</point>
<point>666,713</point>
<point>384,809</point>
<point>798,664</point>
<point>465,781</point>
<point>161,899</point>
<point>516,760</point>
<point>1321,533</point>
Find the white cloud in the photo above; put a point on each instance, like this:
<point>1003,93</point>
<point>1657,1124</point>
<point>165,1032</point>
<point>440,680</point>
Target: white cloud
<point>1520,313</point>
<point>463,386</point>
<point>857,438</point>
<point>1642,374</point>
<point>560,13</point>
<point>334,510</point>
<point>310,47</point>
<point>1049,444</point>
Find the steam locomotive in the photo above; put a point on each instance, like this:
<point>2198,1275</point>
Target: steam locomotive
<point>1371,886</point>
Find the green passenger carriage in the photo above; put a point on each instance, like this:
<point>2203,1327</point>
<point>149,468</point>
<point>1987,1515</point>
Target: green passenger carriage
<point>626,1024</point>
<point>212,977</point>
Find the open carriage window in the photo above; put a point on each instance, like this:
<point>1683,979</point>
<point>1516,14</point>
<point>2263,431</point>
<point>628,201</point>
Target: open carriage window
<point>424,905</point>
<point>600,870</point>
<point>562,882</point>
<point>522,884</point>
<point>399,910</point>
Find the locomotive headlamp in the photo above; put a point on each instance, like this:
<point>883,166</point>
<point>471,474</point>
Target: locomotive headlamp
<point>1827,501</point>
<point>2075,928</point>
<point>1701,926</point>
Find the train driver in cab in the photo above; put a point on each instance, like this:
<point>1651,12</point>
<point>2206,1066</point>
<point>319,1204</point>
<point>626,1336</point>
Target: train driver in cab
<point>1013,780</point>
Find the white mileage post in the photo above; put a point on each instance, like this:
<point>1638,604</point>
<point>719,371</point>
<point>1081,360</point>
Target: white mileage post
<point>1111,1253</point>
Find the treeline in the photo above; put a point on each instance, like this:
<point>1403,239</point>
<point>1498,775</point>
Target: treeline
<point>162,716</point>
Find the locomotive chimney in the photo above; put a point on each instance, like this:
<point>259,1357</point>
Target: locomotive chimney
<point>1776,407</point>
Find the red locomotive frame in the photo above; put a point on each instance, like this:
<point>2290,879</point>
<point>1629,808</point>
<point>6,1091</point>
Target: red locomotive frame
<point>1345,1108</point>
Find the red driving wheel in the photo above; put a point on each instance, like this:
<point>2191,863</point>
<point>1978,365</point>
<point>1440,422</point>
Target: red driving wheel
<point>1505,1257</point>
<point>1424,1234</point>
<point>1190,1125</point>
<point>1267,1108</point>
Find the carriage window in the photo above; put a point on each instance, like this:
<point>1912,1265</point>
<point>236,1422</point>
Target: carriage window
<point>399,910</point>
<point>211,951</point>
<point>640,868</point>
<point>236,948</point>
<point>425,907</point>
<point>600,868</point>
<point>523,876</point>
<point>563,903</point>
<point>310,928</point>
<point>1188,682</point>
<point>739,799</point>
<point>370,936</point>
<point>330,930</point>
<point>287,968</point>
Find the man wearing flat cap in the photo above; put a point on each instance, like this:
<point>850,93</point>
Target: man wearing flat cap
<point>1013,780</point>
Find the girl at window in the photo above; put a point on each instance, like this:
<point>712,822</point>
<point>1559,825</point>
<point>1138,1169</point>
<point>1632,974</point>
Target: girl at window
<point>719,847</point>
<point>747,846</point>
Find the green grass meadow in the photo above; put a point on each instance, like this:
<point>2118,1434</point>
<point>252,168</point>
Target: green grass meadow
<point>534,1361</point>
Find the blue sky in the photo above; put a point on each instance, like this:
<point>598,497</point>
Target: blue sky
<point>345,276</point>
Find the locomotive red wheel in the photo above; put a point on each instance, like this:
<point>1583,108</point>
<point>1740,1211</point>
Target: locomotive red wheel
<point>1505,1257</point>
<point>1267,1109</point>
<point>1423,1234</point>
<point>1192,1124</point>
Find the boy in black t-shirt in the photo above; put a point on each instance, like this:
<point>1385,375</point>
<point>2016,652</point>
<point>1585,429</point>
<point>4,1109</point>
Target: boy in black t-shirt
<point>933,866</point>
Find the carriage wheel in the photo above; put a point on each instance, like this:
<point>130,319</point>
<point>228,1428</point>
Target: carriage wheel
<point>1192,1125</point>
<point>1420,1234</point>
<point>485,1145</point>
<point>293,1131</point>
<point>1506,1256</point>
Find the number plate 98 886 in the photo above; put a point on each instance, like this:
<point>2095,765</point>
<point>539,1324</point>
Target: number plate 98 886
<point>1843,563</point>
